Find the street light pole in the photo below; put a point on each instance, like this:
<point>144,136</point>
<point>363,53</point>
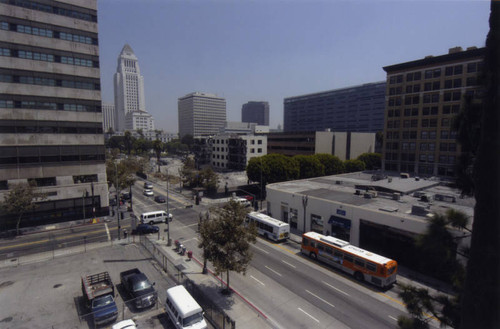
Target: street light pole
<point>117,201</point>
<point>169,242</point>
<point>305,198</point>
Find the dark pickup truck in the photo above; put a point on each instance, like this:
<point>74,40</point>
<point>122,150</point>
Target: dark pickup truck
<point>139,288</point>
<point>98,292</point>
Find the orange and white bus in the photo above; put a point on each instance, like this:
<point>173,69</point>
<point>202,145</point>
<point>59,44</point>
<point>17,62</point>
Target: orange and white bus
<point>360,263</point>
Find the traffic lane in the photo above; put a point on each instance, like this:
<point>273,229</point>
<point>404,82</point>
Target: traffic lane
<point>351,306</point>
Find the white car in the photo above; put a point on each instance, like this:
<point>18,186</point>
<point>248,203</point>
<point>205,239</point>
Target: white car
<point>125,324</point>
<point>148,192</point>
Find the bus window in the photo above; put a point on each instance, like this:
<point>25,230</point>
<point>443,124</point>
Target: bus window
<point>359,262</point>
<point>371,267</point>
<point>305,242</point>
<point>348,258</point>
<point>321,247</point>
<point>329,250</point>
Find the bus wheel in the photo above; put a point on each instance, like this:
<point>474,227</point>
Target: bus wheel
<point>359,276</point>
<point>151,223</point>
<point>312,255</point>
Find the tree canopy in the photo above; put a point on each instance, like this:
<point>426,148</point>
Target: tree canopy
<point>309,166</point>
<point>21,199</point>
<point>333,165</point>
<point>225,239</point>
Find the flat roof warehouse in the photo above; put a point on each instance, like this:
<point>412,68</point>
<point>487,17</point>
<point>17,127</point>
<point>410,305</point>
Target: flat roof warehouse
<point>383,216</point>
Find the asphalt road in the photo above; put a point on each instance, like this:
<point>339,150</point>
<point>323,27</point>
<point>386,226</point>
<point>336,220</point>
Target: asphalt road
<point>293,291</point>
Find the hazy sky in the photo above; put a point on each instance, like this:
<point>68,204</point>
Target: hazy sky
<point>268,50</point>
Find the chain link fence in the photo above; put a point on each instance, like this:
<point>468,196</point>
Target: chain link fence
<point>213,313</point>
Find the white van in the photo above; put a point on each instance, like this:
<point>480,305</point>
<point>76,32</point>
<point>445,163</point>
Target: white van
<point>154,217</point>
<point>183,310</point>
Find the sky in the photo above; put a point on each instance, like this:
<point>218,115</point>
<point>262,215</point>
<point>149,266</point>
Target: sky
<point>267,50</point>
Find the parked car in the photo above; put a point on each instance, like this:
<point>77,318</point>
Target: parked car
<point>139,288</point>
<point>148,186</point>
<point>98,293</point>
<point>145,229</point>
<point>148,192</point>
<point>160,199</point>
<point>125,324</point>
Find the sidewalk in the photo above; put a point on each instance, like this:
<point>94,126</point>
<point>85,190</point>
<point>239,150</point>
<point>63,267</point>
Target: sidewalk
<point>243,312</point>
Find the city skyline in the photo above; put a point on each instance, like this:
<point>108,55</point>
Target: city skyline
<point>272,50</point>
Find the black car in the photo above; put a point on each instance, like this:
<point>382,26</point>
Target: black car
<point>160,199</point>
<point>145,229</point>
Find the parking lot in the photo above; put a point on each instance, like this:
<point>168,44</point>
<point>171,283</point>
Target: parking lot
<point>48,294</point>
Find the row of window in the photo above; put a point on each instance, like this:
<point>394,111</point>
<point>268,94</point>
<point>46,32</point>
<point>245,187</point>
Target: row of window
<point>411,157</point>
<point>424,123</point>
<point>52,105</point>
<point>24,155</point>
<point>436,73</point>
<point>405,146</point>
<point>406,135</point>
<point>428,110</point>
<point>436,85</point>
<point>41,81</point>
<point>340,256</point>
<point>51,9</point>
<point>49,127</point>
<point>429,98</point>
<point>48,33</point>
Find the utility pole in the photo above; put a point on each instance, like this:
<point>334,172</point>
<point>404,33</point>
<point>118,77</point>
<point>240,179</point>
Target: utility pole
<point>305,198</point>
<point>169,242</point>
<point>117,201</point>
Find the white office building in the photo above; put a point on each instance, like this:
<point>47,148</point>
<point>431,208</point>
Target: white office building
<point>108,117</point>
<point>201,114</point>
<point>130,103</point>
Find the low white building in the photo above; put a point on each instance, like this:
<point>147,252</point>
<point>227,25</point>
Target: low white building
<point>383,216</point>
<point>232,152</point>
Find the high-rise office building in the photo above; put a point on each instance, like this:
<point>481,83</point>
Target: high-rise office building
<point>354,109</point>
<point>423,97</point>
<point>257,112</point>
<point>51,130</point>
<point>130,102</point>
<point>108,117</point>
<point>201,114</point>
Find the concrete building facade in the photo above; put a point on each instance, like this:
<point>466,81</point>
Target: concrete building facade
<point>383,216</point>
<point>51,122</point>
<point>352,109</point>
<point>257,112</point>
<point>130,100</point>
<point>108,117</point>
<point>423,97</point>
<point>232,152</point>
<point>344,145</point>
<point>201,114</point>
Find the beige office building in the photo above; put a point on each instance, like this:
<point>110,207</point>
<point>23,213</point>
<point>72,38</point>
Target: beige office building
<point>51,131</point>
<point>423,97</point>
<point>201,114</point>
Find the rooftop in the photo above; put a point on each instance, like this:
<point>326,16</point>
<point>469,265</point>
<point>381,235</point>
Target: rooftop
<point>390,194</point>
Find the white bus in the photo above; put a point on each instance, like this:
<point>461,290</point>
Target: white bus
<point>268,227</point>
<point>183,310</point>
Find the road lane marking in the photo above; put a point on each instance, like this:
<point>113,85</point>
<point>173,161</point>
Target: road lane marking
<point>329,285</point>
<point>270,269</point>
<point>393,318</point>
<point>289,264</point>
<point>266,252</point>
<point>257,280</point>
<point>321,299</point>
<point>309,315</point>
<point>285,249</point>
<point>107,231</point>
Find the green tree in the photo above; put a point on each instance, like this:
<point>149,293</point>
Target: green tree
<point>128,141</point>
<point>438,249</point>
<point>209,180</point>
<point>309,166</point>
<point>158,147</point>
<point>333,165</point>
<point>354,165</point>
<point>225,239</point>
<point>481,295</point>
<point>122,174</point>
<point>116,142</point>
<point>371,160</point>
<point>141,146</point>
<point>273,168</point>
<point>21,199</point>
<point>187,140</point>
<point>189,174</point>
